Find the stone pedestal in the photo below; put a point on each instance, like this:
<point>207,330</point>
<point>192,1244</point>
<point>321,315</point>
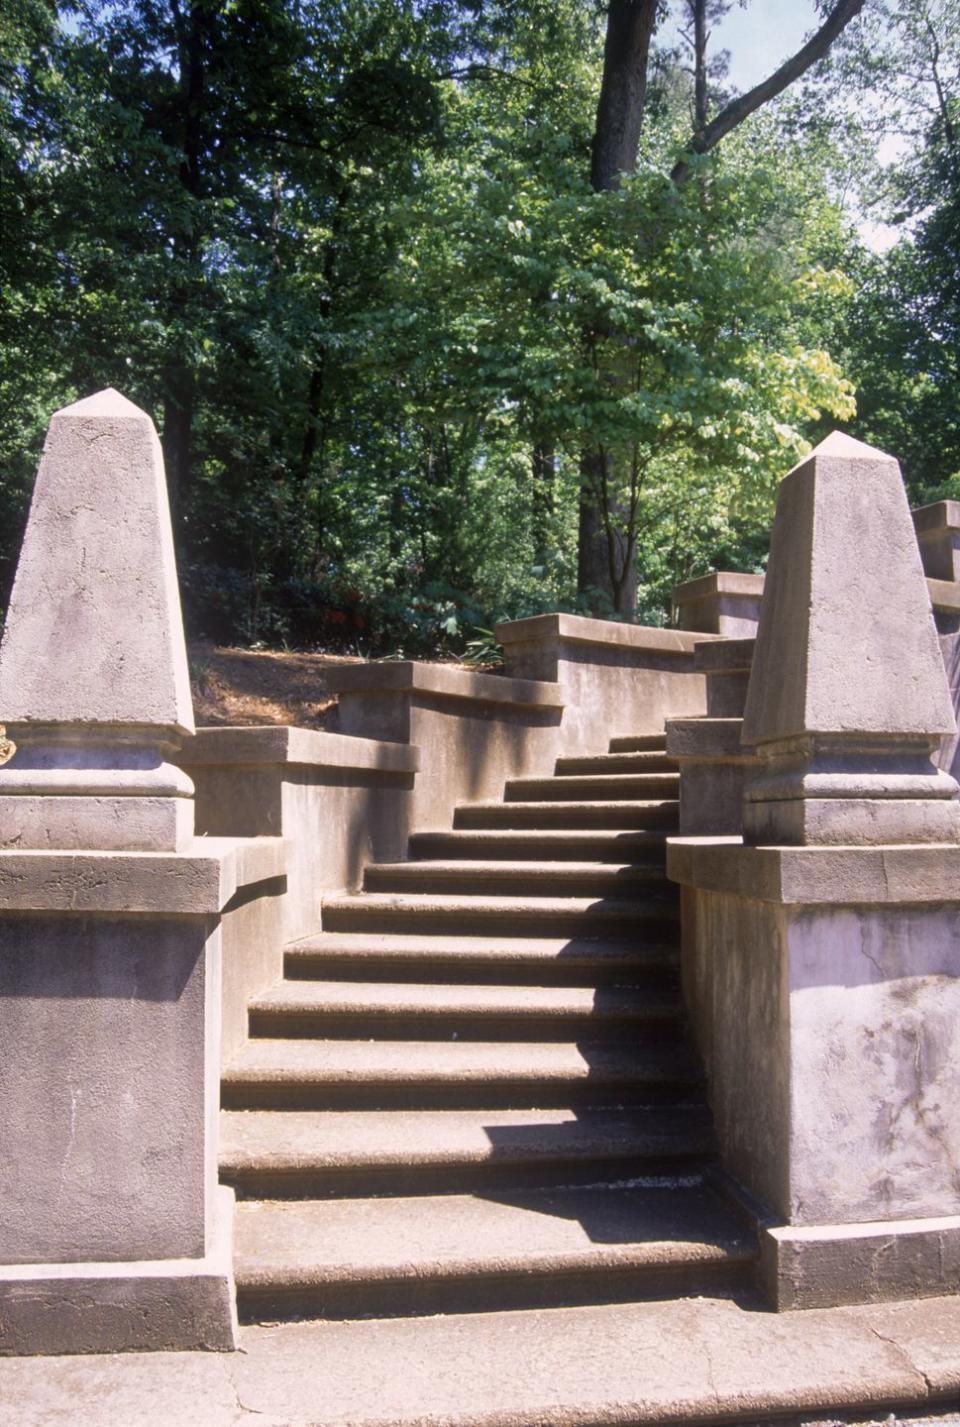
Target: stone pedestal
<point>822,964</point>
<point>824,986</point>
<point>114,923</point>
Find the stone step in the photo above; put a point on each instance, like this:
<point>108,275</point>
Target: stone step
<point>646,761</point>
<point>356,1009</point>
<point>662,815</point>
<point>343,1258</point>
<point>518,879</point>
<point>421,1075</point>
<point>311,1153</point>
<point>544,844</point>
<point>521,961</point>
<point>639,743</point>
<point>619,787</point>
<point>437,913</point>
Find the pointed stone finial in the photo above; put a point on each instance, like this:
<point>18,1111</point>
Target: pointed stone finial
<point>94,687</point>
<point>848,697</point>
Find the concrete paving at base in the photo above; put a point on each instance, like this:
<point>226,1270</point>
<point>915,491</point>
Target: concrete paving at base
<point>685,1361</point>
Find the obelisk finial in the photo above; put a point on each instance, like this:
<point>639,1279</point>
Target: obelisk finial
<point>848,696</point>
<point>94,688</point>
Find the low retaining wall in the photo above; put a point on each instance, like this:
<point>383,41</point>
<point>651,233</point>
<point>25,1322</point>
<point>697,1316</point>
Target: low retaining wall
<point>614,679</point>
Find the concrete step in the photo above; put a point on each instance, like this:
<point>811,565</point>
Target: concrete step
<point>510,1249</point>
<point>619,787</point>
<point>275,1154</point>
<point>662,815</point>
<point>639,743</point>
<point>315,1074</point>
<point>515,879</point>
<point>688,1362</point>
<point>655,913</point>
<point>646,761</point>
<point>544,845</point>
<point>524,961</point>
<point>355,1009</point>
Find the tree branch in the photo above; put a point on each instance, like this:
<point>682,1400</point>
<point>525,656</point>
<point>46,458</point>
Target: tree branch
<point>746,104</point>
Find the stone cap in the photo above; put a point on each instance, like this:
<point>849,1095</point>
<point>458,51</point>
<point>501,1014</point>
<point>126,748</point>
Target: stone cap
<point>724,656</point>
<point>576,629</point>
<point>438,679</point>
<point>718,582</point>
<point>96,582</point>
<point>704,740</point>
<point>300,747</point>
<point>899,875</point>
<point>199,882</point>
<point>941,515</point>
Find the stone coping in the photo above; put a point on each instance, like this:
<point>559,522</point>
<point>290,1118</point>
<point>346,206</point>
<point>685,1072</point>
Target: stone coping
<point>834,876</point>
<point>941,515</point>
<point>724,656</point>
<point>575,629</point>
<point>707,739</point>
<point>945,595</point>
<point>199,882</point>
<point>718,582</point>
<point>301,747</point>
<point>411,676</point>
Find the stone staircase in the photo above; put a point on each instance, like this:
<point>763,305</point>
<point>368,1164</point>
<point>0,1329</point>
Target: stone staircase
<point>474,1091</point>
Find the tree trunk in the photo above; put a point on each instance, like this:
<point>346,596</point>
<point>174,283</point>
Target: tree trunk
<point>601,552</point>
<point>606,574</point>
<point>179,400</point>
<point>543,464</point>
<point>194,31</point>
<point>630,27</point>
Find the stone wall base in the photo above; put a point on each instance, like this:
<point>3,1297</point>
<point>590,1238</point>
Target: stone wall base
<point>826,1265</point>
<point>170,1304</point>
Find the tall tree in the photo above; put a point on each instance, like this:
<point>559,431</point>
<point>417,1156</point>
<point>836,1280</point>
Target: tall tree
<point>611,483</point>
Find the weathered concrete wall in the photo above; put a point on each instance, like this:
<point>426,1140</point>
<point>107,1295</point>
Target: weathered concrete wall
<point>103,1020</point>
<point>875,1096</point>
<point>473,731</point>
<point>614,678</point>
<point>338,802</point>
<point>736,984</point>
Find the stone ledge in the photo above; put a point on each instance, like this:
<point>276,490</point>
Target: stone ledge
<point>410,676</point>
<point>719,582</point>
<point>575,629</point>
<point>300,747</point>
<point>834,876</point>
<point>707,740</point>
<point>195,883</point>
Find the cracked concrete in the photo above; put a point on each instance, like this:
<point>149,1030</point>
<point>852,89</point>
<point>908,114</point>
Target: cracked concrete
<point>687,1361</point>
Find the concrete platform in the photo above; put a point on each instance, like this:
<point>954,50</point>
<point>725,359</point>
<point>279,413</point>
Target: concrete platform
<point>695,1361</point>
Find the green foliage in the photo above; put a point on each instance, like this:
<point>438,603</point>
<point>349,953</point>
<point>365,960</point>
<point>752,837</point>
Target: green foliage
<point>348,257</point>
